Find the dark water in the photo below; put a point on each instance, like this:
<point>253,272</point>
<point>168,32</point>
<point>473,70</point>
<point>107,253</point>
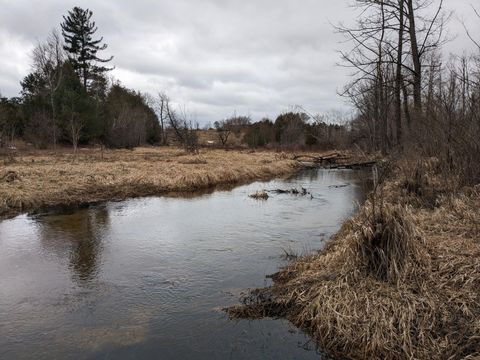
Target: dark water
<point>146,278</point>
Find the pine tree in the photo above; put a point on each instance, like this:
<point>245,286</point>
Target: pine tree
<point>78,30</point>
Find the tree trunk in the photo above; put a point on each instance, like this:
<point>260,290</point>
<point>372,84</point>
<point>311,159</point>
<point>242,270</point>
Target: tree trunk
<point>405,105</point>
<point>398,85</point>
<point>381,114</point>
<point>54,123</point>
<point>417,66</point>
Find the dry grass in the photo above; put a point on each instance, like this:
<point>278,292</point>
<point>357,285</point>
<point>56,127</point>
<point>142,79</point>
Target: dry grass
<point>397,282</point>
<point>43,179</point>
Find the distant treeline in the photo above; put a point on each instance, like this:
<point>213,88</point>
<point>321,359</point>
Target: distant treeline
<point>292,129</point>
<point>68,99</point>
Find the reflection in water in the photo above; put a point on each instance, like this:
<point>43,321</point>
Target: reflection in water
<point>144,278</point>
<point>78,233</point>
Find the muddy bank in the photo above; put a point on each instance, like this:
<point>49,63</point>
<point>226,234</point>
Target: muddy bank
<point>34,182</point>
<point>400,280</point>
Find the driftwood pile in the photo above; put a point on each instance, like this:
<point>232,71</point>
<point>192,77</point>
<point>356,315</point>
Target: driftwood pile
<point>293,191</point>
<point>331,161</point>
<point>263,194</point>
<point>259,195</point>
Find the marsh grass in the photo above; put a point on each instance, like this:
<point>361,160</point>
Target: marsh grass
<point>45,179</point>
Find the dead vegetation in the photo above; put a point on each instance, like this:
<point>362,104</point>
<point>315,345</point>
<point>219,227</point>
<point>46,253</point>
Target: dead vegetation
<point>263,194</point>
<point>293,191</point>
<point>400,280</point>
<point>9,176</point>
<point>259,195</point>
<point>44,179</point>
<point>336,160</point>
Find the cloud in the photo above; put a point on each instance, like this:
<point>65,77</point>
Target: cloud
<point>213,56</point>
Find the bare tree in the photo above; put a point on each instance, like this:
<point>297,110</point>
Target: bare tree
<point>391,41</point>
<point>183,127</point>
<point>160,105</point>
<point>75,122</point>
<point>476,42</point>
<point>48,58</point>
<point>75,127</point>
<point>369,60</point>
<point>3,124</point>
<point>399,76</point>
<point>224,130</point>
<point>424,37</point>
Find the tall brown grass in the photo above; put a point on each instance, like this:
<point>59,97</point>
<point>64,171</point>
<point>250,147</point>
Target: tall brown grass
<point>46,179</point>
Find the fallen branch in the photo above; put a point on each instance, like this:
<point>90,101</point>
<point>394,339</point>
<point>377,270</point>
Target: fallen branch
<point>356,165</point>
<point>326,159</point>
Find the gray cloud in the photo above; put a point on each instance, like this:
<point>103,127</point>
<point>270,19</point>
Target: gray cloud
<point>213,56</point>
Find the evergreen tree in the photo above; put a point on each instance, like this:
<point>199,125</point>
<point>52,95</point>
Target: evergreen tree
<point>78,31</point>
<point>130,120</point>
<point>76,109</point>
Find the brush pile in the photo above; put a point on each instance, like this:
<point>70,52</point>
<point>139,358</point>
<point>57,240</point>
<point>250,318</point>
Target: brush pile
<point>396,282</point>
<point>259,195</point>
<point>293,191</point>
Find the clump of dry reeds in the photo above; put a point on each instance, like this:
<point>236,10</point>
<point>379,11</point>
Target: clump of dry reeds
<point>386,241</point>
<point>9,176</point>
<point>415,180</point>
<point>423,182</point>
<point>193,160</point>
<point>396,282</point>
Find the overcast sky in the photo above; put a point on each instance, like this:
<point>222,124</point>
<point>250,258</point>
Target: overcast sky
<point>215,57</point>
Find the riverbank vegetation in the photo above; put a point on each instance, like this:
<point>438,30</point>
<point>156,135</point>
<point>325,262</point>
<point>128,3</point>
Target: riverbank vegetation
<point>399,280</point>
<point>45,179</point>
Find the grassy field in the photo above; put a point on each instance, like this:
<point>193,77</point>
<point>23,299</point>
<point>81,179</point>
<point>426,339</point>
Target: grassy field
<point>400,280</point>
<point>43,179</point>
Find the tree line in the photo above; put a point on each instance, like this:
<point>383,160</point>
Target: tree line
<point>406,96</point>
<point>297,130</point>
<point>68,98</point>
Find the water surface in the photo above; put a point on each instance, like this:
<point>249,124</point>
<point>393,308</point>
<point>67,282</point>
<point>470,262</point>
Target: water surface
<point>146,278</point>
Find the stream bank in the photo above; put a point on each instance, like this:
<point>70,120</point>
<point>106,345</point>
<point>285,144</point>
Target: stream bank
<point>399,280</point>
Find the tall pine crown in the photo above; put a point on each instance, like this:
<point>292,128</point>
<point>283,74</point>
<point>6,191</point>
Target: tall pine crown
<point>78,30</point>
